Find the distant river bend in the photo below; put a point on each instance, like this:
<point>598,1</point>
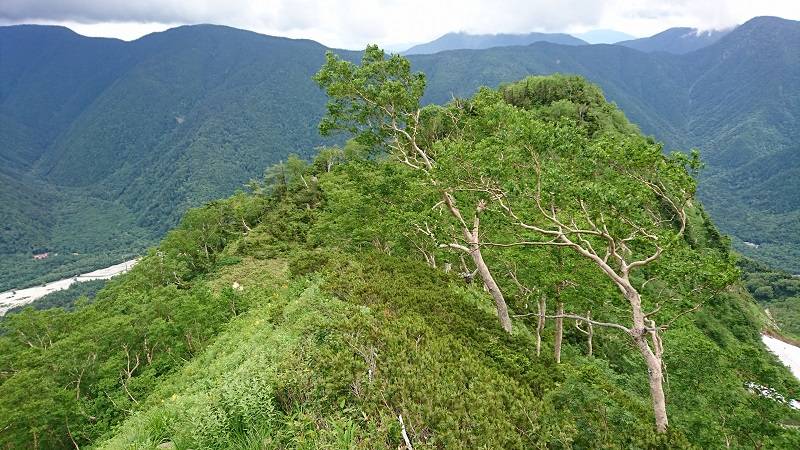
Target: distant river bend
<point>13,298</point>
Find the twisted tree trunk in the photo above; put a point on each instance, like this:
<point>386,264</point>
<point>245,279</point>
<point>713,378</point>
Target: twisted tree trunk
<point>652,356</point>
<point>655,376</point>
<point>471,236</point>
<point>491,285</point>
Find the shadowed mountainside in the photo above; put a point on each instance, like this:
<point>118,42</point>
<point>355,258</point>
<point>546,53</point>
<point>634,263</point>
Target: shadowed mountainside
<point>126,136</point>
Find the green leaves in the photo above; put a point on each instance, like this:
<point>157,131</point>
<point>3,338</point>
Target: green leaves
<point>371,99</point>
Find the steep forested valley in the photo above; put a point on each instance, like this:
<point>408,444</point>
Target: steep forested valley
<point>101,159</point>
<point>357,250</point>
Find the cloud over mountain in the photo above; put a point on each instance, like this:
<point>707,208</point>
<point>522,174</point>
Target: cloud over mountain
<point>353,23</point>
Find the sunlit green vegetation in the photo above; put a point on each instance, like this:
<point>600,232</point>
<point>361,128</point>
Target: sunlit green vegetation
<point>107,143</point>
<point>306,313</point>
<point>778,292</point>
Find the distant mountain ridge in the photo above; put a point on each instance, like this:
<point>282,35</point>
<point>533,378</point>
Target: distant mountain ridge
<point>458,41</point>
<point>736,100</point>
<point>677,40</point>
<point>105,143</point>
<point>604,36</point>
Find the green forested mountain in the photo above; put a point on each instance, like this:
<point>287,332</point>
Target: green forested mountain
<point>106,143</point>
<point>778,292</point>
<point>171,120</point>
<point>731,100</point>
<point>321,310</point>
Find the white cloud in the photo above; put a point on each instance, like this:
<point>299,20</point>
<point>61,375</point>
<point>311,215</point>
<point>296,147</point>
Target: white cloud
<point>354,23</point>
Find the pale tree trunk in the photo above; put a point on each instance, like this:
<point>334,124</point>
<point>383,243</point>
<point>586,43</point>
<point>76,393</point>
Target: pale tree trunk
<point>656,378</point>
<point>491,285</point>
<point>540,325</point>
<point>612,262</point>
<point>589,333</point>
<point>655,373</point>
<point>559,331</point>
<point>474,249</point>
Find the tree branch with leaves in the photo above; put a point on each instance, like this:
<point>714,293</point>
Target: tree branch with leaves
<point>378,102</point>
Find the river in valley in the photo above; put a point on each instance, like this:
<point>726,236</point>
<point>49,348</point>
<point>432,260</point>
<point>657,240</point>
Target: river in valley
<point>787,353</point>
<point>18,297</point>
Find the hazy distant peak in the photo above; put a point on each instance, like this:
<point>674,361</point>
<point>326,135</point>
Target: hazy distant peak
<point>462,40</point>
<point>604,36</point>
<point>678,40</point>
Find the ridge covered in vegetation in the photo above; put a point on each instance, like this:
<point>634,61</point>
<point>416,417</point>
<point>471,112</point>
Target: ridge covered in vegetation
<point>334,306</point>
<point>107,143</point>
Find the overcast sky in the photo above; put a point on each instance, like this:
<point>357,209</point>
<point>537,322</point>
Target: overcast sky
<point>393,23</point>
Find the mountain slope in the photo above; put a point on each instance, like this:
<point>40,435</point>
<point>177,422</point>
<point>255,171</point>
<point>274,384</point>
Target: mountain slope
<point>188,115</point>
<point>676,40</point>
<point>196,112</point>
<point>744,114</point>
<point>48,76</point>
<point>210,92</point>
<point>303,316</point>
<point>459,41</point>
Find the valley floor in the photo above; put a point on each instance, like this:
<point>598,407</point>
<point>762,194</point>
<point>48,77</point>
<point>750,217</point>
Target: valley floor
<point>13,298</point>
<point>787,353</point>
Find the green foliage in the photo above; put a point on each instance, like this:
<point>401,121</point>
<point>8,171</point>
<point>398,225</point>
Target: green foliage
<point>307,370</point>
<point>569,97</point>
<point>66,298</point>
<point>363,98</point>
<point>776,291</point>
<point>80,233</point>
<point>327,353</point>
<point>301,315</point>
<point>107,143</point>
<point>146,323</point>
<point>748,140</point>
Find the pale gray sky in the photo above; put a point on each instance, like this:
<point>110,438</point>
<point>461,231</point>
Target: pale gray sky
<point>354,23</point>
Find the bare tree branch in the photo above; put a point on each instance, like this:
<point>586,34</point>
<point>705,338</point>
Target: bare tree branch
<point>592,321</point>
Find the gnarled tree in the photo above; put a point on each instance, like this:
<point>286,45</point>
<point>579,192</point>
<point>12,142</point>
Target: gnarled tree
<point>604,192</point>
<point>379,103</point>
